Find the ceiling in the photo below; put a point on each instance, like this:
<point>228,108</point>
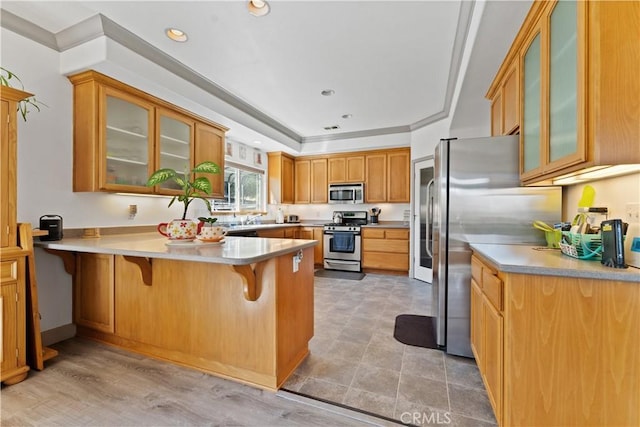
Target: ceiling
<point>393,65</point>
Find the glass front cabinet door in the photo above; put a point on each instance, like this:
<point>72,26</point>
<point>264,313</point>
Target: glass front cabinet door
<point>564,144</point>
<point>175,146</point>
<point>531,132</point>
<point>127,142</point>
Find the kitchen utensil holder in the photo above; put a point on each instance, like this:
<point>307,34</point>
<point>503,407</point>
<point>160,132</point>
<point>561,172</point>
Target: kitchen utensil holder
<point>582,246</point>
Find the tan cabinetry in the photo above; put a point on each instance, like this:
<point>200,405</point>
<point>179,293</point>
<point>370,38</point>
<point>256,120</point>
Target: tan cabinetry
<point>398,175</point>
<point>209,146</point>
<point>122,135</point>
<point>487,330</point>
<point>313,233</point>
<point>385,248</point>
<point>375,187</point>
<point>13,366</point>
<point>346,169</point>
<point>543,345</point>
<point>387,176</point>
<point>281,178</point>
<point>94,292</point>
<point>505,102</point>
<point>577,66</point>
<point>279,233</point>
<point>311,180</point>
<point>13,317</point>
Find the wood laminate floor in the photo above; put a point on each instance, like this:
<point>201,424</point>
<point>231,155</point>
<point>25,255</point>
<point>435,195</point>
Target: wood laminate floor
<point>354,361</point>
<point>91,384</point>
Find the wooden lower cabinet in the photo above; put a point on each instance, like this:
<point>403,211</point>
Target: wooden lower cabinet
<point>563,351</point>
<point>197,314</point>
<point>13,366</point>
<point>385,248</point>
<point>279,233</point>
<point>94,292</point>
<point>313,233</point>
<point>487,330</point>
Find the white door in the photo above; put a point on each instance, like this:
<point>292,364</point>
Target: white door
<point>422,214</point>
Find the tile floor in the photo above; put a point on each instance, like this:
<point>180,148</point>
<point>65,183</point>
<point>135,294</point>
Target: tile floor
<point>356,361</point>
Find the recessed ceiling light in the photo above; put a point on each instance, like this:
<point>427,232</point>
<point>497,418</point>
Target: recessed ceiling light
<point>257,142</point>
<point>328,92</point>
<point>347,116</point>
<point>258,7</point>
<point>334,127</point>
<point>176,34</point>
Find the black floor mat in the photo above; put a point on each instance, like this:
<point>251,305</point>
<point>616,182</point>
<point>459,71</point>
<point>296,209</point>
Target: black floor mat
<point>336,274</point>
<point>416,330</point>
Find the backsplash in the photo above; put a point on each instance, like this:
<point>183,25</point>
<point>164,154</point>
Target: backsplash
<point>324,212</point>
<point>614,193</point>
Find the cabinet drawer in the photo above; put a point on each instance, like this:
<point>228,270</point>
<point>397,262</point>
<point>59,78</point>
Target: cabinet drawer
<point>476,271</point>
<point>392,246</point>
<point>372,233</point>
<point>397,234</point>
<point>9,271</point>
<point>492,288</point>
<point>385,261</point>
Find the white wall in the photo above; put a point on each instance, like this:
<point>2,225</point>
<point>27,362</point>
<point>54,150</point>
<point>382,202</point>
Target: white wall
<point>613,193</point>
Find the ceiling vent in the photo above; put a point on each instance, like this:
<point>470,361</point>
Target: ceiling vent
<point>334,127</point>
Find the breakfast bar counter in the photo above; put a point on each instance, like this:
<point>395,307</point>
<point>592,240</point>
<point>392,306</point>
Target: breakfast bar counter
<point>241,309</point>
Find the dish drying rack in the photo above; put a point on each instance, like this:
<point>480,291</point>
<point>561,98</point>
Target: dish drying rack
<point>582,246</point>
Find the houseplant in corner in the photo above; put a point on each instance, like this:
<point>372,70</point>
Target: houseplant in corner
<point>192,187</point>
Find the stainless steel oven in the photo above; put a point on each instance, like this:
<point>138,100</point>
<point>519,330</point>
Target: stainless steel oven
<point>343,241</point>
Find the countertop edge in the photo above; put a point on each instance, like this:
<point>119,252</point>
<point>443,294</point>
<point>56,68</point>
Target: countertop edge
<point>69,246</point>
<point>512,259</point>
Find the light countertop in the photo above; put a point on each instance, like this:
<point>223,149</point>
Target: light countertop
<point>234,250</point>
<point>309,223</point>
<point>550,262</point>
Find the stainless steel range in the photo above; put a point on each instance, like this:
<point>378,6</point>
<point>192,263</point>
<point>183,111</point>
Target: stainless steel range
<point>343,241</point>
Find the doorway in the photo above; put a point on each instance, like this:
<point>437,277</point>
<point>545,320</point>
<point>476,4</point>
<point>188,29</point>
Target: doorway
<point>423,211</point>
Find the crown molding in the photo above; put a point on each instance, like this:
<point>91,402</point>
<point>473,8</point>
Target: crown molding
<point>99,25</point>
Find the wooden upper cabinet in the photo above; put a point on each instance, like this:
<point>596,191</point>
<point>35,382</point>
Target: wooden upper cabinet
<point>346,169</point>
<point>577,67</point>
<point>398,176</point>
<point>511,102</point>
<point>281,178</point>
<point>303,181</point>
<point>209,146</point>
<point>505,106</point>
<point>337,170</point>
<point>175,145</point>
<point>385,173</point>
<point>376,178</point>
<point>496,115</point>
<point>319,186</point>
<point>121,135</point>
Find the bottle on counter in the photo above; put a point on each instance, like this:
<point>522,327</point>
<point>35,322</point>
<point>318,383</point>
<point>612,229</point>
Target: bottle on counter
<point>279,216</point>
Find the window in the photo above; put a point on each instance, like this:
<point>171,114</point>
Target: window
<point>243,189</point>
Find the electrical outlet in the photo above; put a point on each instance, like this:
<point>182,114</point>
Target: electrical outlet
<point>633,212</point>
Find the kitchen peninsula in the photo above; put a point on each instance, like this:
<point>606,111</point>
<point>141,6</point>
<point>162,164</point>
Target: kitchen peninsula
<point>241,309</point>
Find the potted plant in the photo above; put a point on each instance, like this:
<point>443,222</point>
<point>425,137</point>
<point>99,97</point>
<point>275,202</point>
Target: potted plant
<point>6,79</point>
<point>192,188</point>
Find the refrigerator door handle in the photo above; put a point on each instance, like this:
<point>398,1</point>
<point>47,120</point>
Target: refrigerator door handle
<point>429,225</point>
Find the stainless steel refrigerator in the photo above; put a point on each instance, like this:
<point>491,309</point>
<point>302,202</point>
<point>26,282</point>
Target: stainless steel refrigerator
<point>476,198</point>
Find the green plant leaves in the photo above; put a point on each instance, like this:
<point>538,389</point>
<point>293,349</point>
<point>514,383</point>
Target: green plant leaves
<point>160,176</point>
<point>206,167</point>
<point>202,184</point>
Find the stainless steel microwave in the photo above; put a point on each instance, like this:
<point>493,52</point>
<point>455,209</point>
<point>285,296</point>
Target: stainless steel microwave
<point>346,193</point>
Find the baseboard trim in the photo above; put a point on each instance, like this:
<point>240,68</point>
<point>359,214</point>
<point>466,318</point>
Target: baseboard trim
<point>58,334</point>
